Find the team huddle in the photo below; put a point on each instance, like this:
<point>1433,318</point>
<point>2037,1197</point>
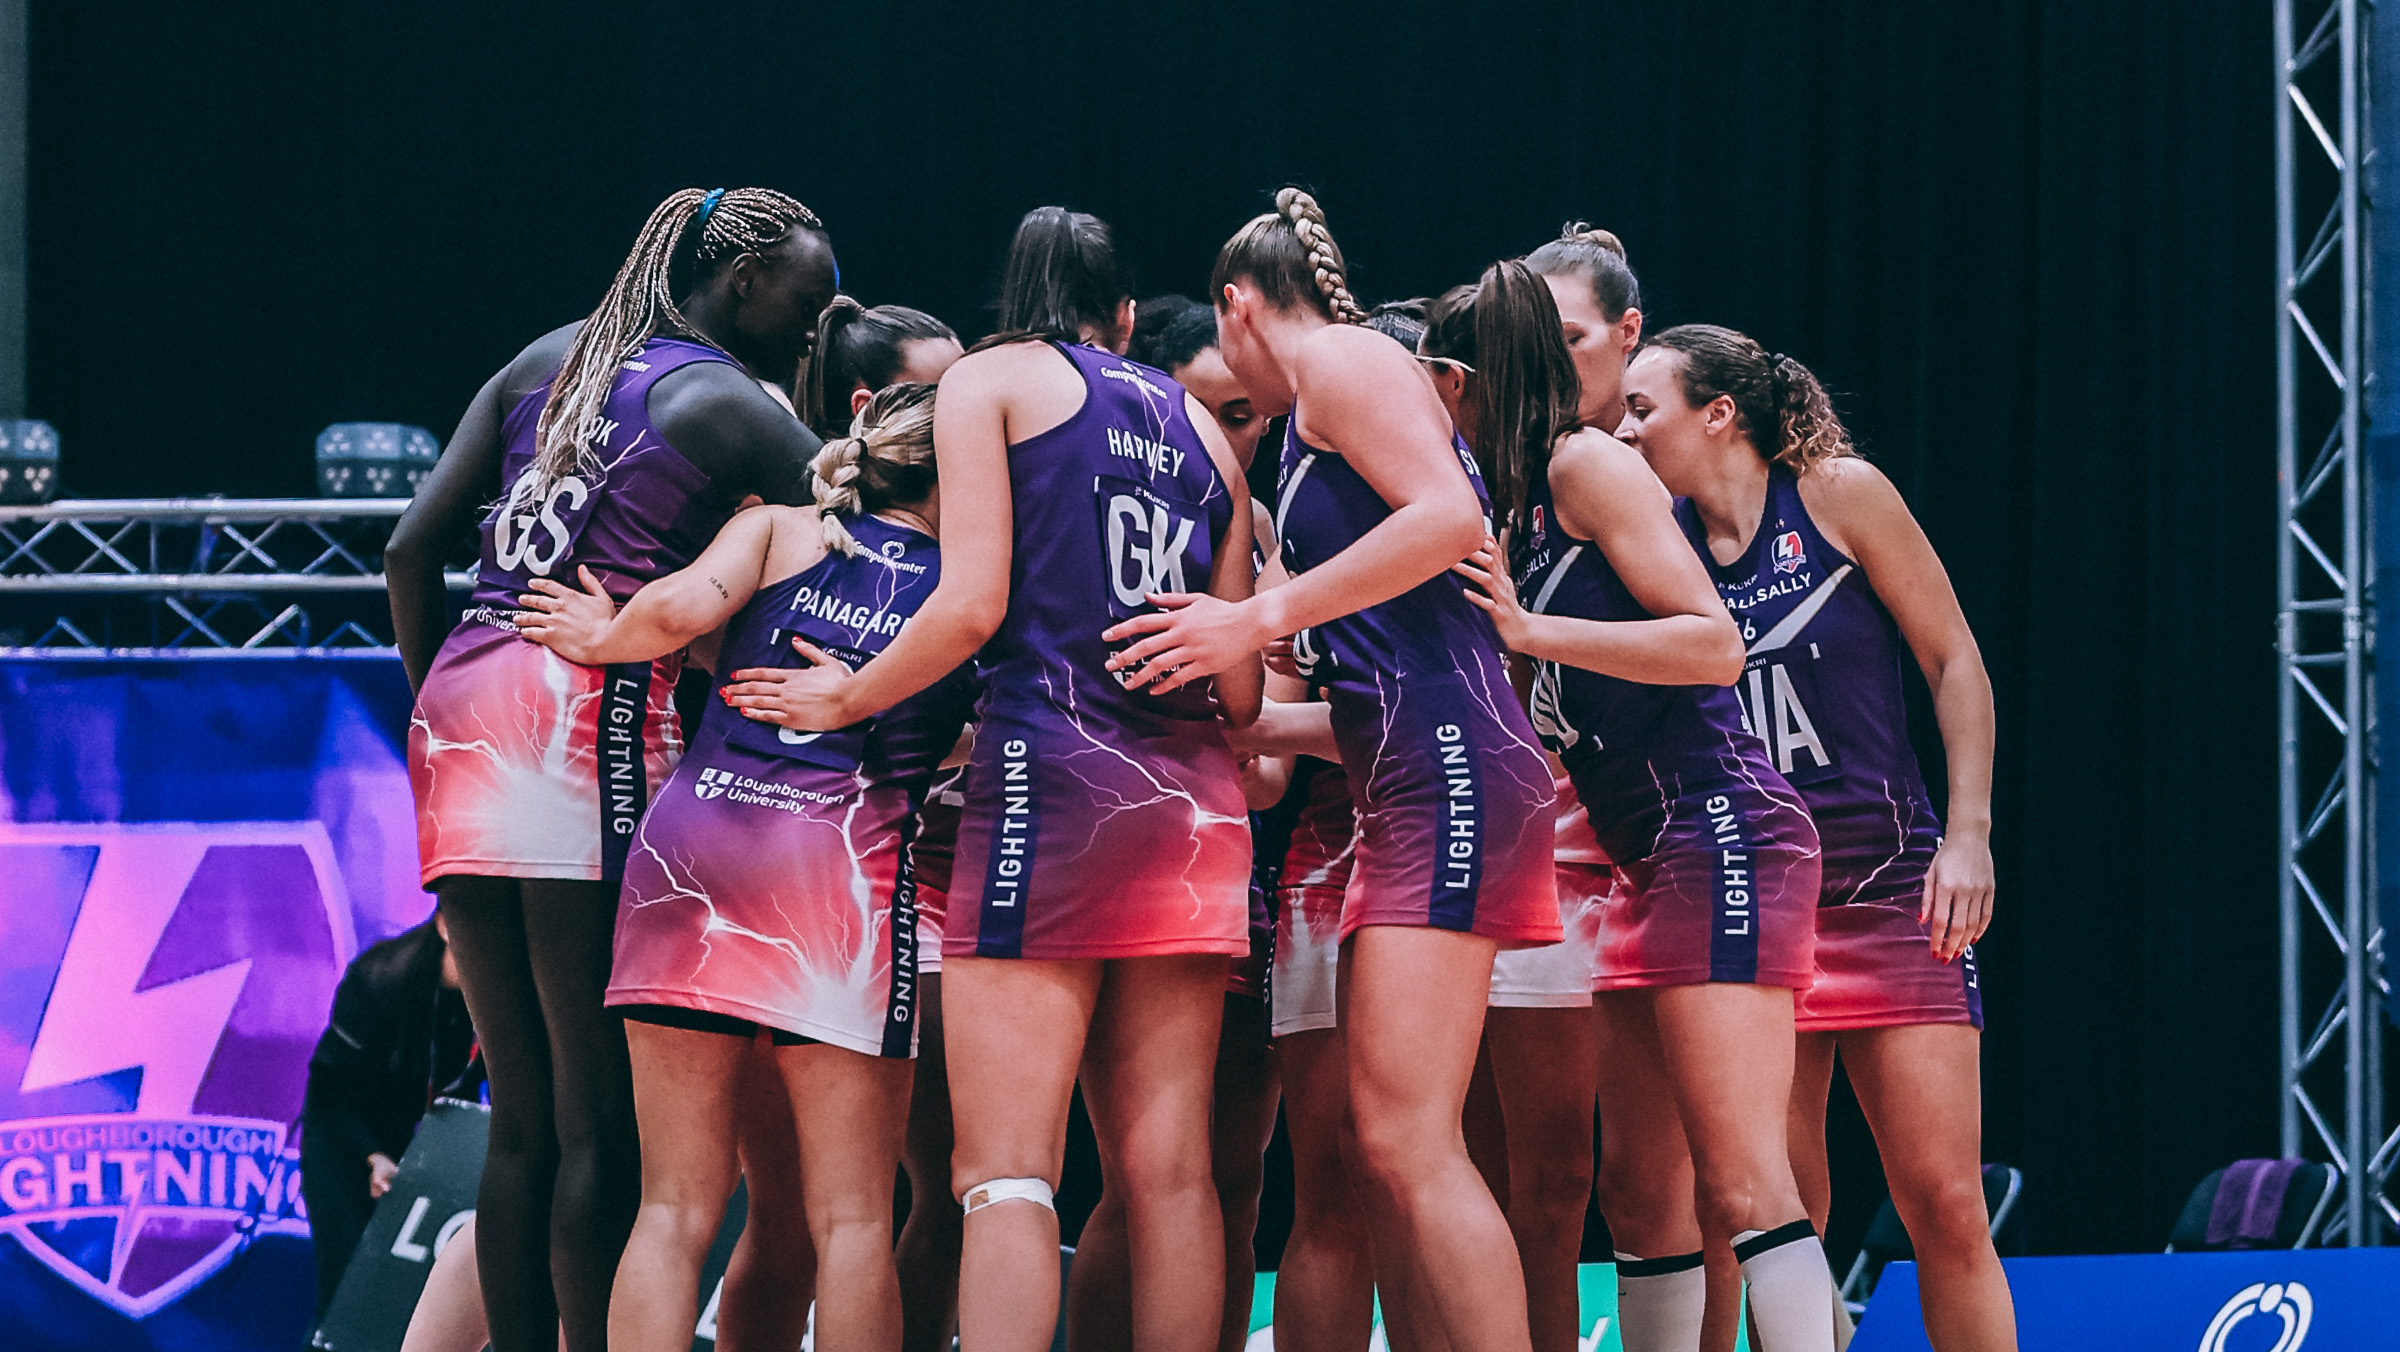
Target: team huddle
<point>1537,748</point>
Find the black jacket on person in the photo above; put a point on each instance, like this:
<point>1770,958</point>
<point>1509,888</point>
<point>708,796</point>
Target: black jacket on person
<point>397,1037</point>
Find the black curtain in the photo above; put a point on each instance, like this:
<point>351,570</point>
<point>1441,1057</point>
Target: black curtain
<point>2027,244</point>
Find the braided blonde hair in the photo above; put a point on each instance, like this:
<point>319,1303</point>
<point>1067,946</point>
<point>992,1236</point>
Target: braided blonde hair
<point>640,305</point>
<point>887,460</point>
<point>1290,256</point>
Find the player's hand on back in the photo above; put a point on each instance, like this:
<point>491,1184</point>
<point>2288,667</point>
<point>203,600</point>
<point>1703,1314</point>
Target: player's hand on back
<point>1494,592</point>
<point>1192,635</point>
<point>564,620</point>
<point>804,699</point>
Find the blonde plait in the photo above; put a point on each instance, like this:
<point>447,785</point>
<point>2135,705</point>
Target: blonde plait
<point>640,305</point>
<point>833,482</point>
<point>886,461</point>
<point>1325,261</point>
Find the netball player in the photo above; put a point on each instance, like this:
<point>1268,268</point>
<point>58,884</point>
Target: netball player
<point>1454,799</point>
<point>1539,1040</point>
<point>860,350</point>
<point>1600,315</point>
<point>805,928</point>
<point>1710,929</point>
<point>1829,576</point>
<point>620,444</point>
<point>1179,336</point>
<point>1103,854</point>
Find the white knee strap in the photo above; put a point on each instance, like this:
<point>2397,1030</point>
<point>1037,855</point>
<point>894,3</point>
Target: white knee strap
<point>1001,1190</point>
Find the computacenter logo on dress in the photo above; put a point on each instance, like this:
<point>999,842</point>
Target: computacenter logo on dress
<point>2287,1301</point>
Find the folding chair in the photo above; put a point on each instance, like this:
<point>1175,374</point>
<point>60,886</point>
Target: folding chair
<point>2256,1204</point>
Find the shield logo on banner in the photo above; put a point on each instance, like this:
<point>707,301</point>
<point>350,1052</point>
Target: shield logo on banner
<point>161,989</point>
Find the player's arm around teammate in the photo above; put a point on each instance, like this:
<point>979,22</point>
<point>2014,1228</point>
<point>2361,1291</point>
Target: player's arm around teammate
<point>621,444</point>
<point>1074,941</point>
<point>736,918</point>
<point>1412,982</point>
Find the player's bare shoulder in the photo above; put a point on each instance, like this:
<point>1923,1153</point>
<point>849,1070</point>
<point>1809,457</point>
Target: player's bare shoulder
<point>1850,499</point>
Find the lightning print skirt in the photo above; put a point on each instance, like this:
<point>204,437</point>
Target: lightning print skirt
<point>752,896</point>
<point>1111,842</point>
<point>1456,815</point>
<point>526,765</point>
<point>1875,962</point>
<point>1727,893</point>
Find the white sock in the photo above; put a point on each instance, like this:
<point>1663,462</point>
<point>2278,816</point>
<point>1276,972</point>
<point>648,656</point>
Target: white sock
<point>1660,1301</point>
<point>1790,1288</point>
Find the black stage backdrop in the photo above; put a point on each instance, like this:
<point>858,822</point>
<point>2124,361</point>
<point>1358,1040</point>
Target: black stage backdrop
<point>2027,244</point>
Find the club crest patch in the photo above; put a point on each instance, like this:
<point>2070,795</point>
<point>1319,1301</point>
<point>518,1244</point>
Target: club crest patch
<point>1789,555</point>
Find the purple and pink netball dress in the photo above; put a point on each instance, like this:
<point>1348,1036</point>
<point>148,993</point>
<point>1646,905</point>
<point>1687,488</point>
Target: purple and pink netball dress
<point>932,849</point>
<point>1823,690</point>
<point>1454,797</point>
<point>527,765</point>
<point>1310,882</point>
<point>1101,822</point>
<point>1715,859</point>
<point>770,881</point>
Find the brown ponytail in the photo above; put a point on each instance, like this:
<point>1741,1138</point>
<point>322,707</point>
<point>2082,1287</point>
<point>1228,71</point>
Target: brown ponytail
<point>1521,392</point>
<point>1291,257</point>
<point>1781,406</point>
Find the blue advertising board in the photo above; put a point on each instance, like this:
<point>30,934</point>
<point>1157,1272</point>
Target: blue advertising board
<point>2283,1300</point>
<point>191,850</point>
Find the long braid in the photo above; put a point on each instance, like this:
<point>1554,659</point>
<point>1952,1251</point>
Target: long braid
<point>1324,256</point>
<point>1290,256</point>
<point>833,482</point>
<point>886,461</point>
<point>640,305</point>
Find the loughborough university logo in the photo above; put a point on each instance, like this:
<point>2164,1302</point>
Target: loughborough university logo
<point>164,988</point>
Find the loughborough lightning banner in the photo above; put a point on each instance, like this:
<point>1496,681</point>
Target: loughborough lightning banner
<point>190,852</point>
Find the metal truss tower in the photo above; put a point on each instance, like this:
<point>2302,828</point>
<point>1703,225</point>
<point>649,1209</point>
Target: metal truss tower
<point>2332,940</point>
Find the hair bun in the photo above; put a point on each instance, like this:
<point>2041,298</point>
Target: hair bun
<point>1584,232</point>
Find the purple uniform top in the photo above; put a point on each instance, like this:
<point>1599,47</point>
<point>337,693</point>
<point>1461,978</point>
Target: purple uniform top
<point>1101,822</point>
<point>851,606</point>
<point>1610,733</point>
<point>1455,798</point>
<point>641,512</point>
<point>1822,689</point>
